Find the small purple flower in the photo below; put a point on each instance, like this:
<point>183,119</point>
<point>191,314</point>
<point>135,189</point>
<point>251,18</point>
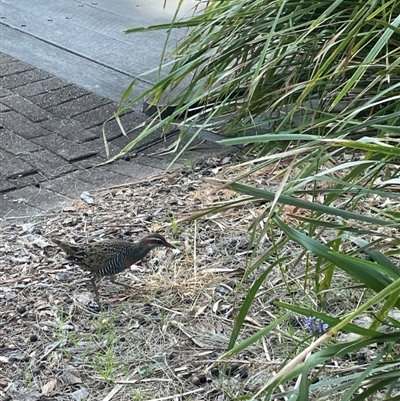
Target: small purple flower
<point>315,325</point>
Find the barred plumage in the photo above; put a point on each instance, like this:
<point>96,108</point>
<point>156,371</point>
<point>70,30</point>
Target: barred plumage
<point>107,258</point>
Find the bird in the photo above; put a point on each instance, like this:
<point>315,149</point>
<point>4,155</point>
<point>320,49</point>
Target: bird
<point>110,257</point>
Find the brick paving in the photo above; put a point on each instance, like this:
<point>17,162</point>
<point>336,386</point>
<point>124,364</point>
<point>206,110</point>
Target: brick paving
<point>51,142</point>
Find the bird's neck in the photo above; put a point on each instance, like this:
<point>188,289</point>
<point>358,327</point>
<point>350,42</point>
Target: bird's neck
<point>143,249</point>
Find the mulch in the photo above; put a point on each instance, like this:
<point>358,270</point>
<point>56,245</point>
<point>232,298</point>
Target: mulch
<point>159,340</point>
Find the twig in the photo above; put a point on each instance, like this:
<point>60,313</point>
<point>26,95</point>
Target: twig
<point>176,395</point>
<point>167,309</point>
<point>51,349</point>
<point>118,387</point>
<point>30,216</point>
<point>127,184</point>
<point>149,380</point>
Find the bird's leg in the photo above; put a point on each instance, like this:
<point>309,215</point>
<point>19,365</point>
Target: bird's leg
<point>96,291</point>
<point>112,279</point>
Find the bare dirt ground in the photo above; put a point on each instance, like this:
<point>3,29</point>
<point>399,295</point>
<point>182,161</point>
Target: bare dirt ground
<point>159,340</point>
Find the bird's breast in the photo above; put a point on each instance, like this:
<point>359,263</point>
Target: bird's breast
<point>128,262</point>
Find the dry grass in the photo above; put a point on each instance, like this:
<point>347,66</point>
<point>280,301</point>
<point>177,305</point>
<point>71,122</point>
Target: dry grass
<point>156,341</point>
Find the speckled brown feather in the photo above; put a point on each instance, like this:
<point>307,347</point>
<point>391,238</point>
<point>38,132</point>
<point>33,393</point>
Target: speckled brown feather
<point>94,257</point>
<point>107,258</point>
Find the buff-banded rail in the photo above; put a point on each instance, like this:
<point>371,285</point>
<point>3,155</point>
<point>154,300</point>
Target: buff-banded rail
<point>108,258</point>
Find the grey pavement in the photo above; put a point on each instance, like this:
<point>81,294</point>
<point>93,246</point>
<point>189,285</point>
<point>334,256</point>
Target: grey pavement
<point>51,117</point>
<point>84,42</point>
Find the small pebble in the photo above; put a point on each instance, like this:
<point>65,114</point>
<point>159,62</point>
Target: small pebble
<point>21,309</point>
<point>223,290</point>
<point>352,356</point>
<point>195,380</point>
<point>33,338</point>
<point>226,160</point>
<point>94,307</point>
<point>362,359</point>
<point>232,370</point>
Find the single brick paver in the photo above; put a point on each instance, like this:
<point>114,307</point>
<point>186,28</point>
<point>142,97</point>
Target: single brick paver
<point>67,185</point>
<point>99,145</point>
<point>19,124</point>
<point>13,67</point>
<point>70,129</point>
<point>40,87</point>
<point>5,58</point>
<point>58,96</point>
<point>78,105</point>
<point>134,170</point>
<point>12,167</point>
<point>48,164</point>
<point>14,208</point>
<point>100,177</point>
<point>34,179</point>
<point>23,78</point>
<point>4,107</point>
<point>39,198</point>
<point>65,148</point>
<point>16,144</point>
<point>5,92</point>
<point>155,161</point>
<point>129,120</point>
<point>6,185</point>
<point>26,108</point>
<point>94,118</point>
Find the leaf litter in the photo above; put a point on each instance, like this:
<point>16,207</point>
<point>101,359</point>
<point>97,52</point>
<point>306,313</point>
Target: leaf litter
<point>157,340</point>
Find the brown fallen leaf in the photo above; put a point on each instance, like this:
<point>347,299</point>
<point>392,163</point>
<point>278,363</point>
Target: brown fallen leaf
<point>69,378</point>
<point>48,388</point>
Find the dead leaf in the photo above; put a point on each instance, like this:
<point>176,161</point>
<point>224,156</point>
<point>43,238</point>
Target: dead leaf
<point>216,306</point>
<point>201,310</point>
<point>48,388</point>
<point>69,378</point>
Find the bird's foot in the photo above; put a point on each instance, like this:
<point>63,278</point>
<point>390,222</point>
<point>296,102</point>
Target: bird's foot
<point>112,279</point>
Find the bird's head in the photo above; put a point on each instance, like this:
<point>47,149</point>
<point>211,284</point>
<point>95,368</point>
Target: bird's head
<point>154,240</point>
